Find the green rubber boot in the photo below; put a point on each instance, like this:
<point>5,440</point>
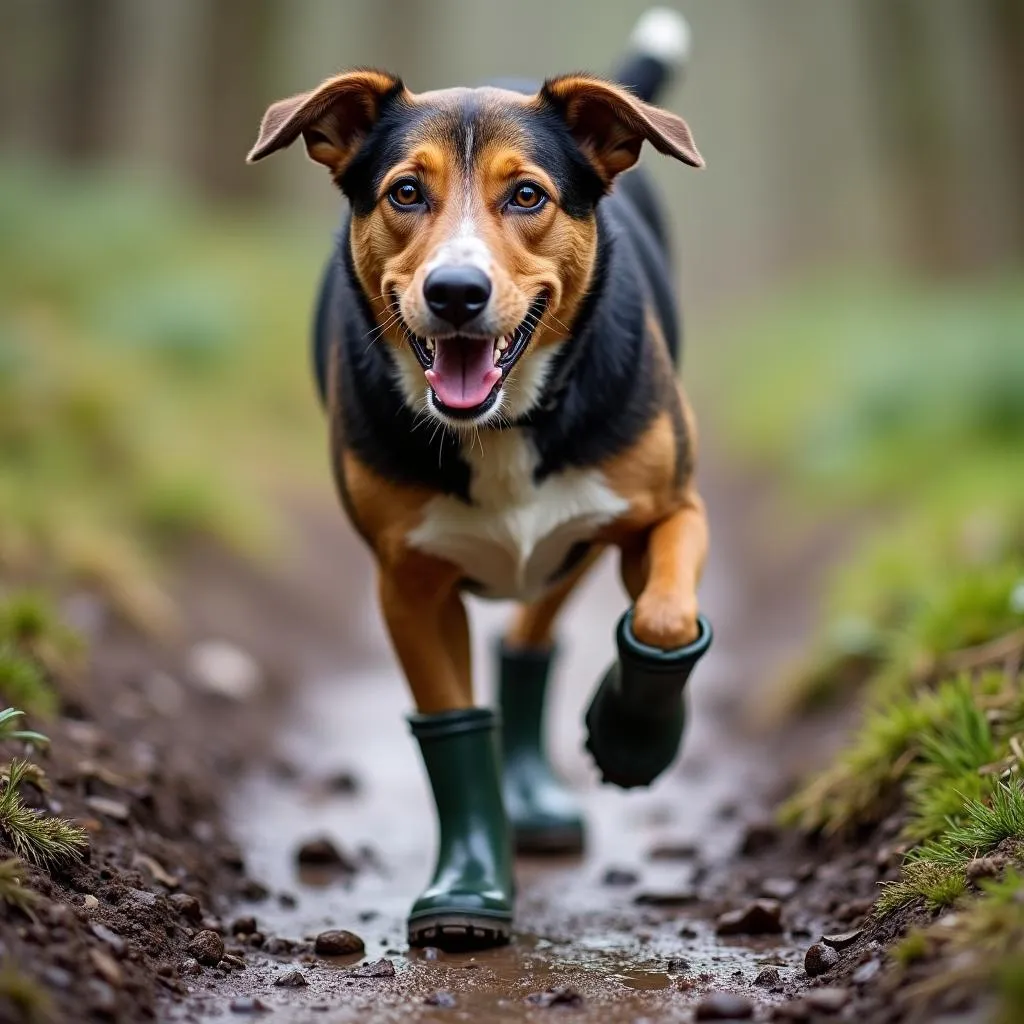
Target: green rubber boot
<point>635,721</point>
<point>468,903</point>
<point>544,814</point>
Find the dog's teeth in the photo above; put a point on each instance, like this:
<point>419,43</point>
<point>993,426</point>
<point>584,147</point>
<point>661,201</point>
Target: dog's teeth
<point>429,345</point>
<point>502,344</point>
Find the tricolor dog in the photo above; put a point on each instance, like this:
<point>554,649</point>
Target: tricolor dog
<point>496,347</point>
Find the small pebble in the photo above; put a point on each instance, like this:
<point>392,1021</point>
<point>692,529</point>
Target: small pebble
<point>827,1000</point>
<point>843,940</point>
<point>678,965</point>
<point>866,972</point>
<point>111,938</point>
<point>243,925</point>
<point>619,876</point>
<point>224,670</point>
<point>188,907</point>
<point>190,966</point>
<point>108,808</point>
<point>819,959</point>
<point>762,917</point>
<point>442,999</point>
<point>248,1005</point>
<point>559,995</point>
<point>724,1006</point>
<point>291,979</point>
<point>779,888</point>
<point>322,852</point>
<point>768,978</point>
<point>207,947</point>
<point>338,943</point>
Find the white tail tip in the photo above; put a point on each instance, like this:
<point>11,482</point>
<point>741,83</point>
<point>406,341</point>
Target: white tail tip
<point>663,34</point>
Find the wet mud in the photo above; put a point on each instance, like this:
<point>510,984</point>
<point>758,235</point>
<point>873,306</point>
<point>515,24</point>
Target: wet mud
<point>627,932</point>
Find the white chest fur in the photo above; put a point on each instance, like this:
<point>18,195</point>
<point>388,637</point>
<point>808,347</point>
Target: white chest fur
<point>516,534</point>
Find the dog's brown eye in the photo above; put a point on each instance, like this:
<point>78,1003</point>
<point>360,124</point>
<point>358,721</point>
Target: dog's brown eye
<point>528,197</point>
<point>406,193</point>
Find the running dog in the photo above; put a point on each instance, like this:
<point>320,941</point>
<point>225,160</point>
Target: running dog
<point>496,347</point>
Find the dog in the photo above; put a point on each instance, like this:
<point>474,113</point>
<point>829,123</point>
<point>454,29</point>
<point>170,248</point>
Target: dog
<point>496,346</point>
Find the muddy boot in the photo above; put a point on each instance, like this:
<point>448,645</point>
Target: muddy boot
<point>544,814</point>
<point>469,901</point>
<point>635,721</point>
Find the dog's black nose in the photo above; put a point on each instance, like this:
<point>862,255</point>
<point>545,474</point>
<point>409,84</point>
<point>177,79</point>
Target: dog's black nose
<point>457,294</point>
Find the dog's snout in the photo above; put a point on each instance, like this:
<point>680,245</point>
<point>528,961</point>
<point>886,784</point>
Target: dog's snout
<point>456,294</point>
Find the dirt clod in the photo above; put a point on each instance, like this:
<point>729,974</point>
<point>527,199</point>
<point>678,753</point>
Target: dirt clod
<point>678,965</point>
<point>190,967</point>
<point>761,917</point>
<point>559,995</point>
<point>188,907</point>
<point>338,943</point>
<point>724,1006</point>
<point>291,979</point>
<point>243,925</point>
<point>207,947</point>
<point>819,959</point>
<point>985,867</point>
<point>769,977</point>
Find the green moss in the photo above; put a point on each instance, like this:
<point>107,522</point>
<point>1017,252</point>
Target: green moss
<point>936,885</point>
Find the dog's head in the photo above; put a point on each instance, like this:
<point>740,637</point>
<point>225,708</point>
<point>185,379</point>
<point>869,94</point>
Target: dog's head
<point>473,233</point>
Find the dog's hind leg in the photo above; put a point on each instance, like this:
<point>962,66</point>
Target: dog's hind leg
<point>545,816</point>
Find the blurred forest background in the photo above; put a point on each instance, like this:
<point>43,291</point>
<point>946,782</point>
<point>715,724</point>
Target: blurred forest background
<point>857,129</point>
<point>849,261</point>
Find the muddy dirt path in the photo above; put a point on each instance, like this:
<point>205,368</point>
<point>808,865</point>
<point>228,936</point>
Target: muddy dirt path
<point>629,928</point>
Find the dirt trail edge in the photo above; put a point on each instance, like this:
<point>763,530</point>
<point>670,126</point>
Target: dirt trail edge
<point>688,901</point>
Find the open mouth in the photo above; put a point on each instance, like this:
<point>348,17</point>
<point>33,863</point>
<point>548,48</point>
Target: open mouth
<point>465,372</point>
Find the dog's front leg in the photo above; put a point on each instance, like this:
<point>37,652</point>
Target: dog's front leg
<point>635,721</point>
<point>670,567</point>
<point>429,630</point>
<point>470,895</point>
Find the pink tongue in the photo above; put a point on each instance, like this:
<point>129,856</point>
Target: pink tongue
<point>463,373</point>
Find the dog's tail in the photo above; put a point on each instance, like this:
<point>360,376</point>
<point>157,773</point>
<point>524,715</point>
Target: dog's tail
<point>659,50</point>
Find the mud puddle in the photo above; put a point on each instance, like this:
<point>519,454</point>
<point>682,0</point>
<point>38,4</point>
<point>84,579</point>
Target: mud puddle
<point>624,933</point>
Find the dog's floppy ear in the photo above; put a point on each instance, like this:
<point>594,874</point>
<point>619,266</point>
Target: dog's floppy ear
<point>333,118</point>
<point>610,124</point>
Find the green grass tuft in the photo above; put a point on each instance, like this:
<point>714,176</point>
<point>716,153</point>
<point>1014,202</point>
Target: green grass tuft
<point>40,838</point>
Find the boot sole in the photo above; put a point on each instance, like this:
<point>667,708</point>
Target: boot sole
<point>459,931</point>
